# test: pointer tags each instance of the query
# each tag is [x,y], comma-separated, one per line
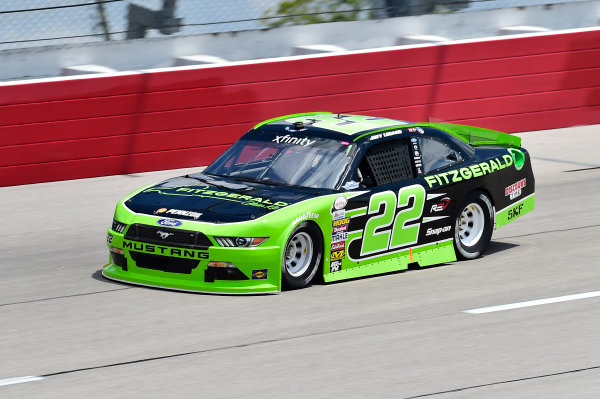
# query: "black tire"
[473,226]
[302,256]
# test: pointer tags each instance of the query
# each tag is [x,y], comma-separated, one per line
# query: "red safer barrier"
[92,126]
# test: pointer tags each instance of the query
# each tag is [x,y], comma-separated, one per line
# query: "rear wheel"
[473,226]
[302,256]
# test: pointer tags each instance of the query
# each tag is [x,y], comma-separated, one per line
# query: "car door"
[385,217]
[396,213]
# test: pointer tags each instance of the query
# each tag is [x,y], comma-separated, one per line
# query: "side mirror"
[452,156]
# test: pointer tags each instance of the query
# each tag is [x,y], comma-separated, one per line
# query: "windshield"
[315,162]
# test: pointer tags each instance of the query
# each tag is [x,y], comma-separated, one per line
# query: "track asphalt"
[401,335]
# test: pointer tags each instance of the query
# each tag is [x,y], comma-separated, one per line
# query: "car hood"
[216,200]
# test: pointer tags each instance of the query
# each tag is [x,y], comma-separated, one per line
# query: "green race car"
[322,195]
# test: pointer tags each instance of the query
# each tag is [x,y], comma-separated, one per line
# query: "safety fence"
[69,128]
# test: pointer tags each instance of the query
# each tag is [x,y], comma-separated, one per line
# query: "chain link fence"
[33,23]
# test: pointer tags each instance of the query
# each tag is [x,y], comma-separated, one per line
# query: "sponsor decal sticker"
[338,255]
[260,274]
[467,173]
[338,245]
[339,214]
[341,222]
[303,217]
[109,238]
[180,212]
[335,266]
[339,237]
[287,139]
[340,203]
[440,206]
[514,190]
[169,222]
[351,185]
[515,212]
[438,231]
[339,229]
[416,129]
[204,192]
[161,210]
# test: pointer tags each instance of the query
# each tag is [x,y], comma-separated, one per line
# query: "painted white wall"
[162,52]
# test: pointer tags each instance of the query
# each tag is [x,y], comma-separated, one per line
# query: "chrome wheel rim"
[298,254]
[470,225]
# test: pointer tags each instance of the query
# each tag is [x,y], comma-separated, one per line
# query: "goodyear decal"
[467,173]
[307,215]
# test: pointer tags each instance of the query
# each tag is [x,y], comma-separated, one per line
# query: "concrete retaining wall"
[88,126]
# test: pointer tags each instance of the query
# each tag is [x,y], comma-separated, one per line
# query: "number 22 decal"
[378,236]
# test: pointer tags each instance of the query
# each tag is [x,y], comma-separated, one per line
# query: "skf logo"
[260,274]
[515,212]
[440,206]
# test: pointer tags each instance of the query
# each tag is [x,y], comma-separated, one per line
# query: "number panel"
[391,222]
[379,238]
[404,234]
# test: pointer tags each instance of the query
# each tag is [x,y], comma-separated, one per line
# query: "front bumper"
[257,269]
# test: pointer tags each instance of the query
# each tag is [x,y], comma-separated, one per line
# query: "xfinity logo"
[293,140]
[163,234]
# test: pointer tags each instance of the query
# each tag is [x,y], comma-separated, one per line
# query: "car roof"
[335,126]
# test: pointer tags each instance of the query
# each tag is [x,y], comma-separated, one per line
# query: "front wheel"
[302,256]
[473,226]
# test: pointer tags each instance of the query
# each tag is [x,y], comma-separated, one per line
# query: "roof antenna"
[299,125]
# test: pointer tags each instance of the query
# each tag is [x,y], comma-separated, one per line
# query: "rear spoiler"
[477,136]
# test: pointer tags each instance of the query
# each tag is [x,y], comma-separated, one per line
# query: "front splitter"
[250,287]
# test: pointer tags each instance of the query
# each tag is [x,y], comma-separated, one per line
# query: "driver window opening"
[385,163]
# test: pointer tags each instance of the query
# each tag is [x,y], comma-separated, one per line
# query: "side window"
[386,162]
[436,154]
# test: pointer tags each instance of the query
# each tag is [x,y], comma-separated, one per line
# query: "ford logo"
[169,222]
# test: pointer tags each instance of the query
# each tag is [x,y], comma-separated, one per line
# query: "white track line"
[20,380]
[537,302]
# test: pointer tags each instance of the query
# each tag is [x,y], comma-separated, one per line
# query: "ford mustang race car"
[322,195]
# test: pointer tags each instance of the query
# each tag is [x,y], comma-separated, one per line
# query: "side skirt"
[426,255]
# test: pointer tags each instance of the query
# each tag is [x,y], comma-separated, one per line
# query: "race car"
[322,195]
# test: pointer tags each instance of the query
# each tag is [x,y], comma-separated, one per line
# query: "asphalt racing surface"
[521,322]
